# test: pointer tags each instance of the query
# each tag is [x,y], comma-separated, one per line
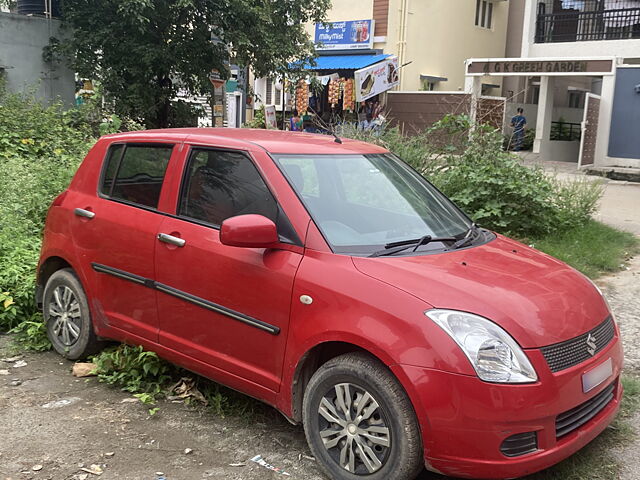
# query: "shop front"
[345,83]
[344,89]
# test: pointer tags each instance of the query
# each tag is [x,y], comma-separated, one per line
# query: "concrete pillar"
[545,116]
[529,26]
[604,120]
[473,85]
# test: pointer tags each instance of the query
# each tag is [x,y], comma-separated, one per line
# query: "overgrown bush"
[149,378]
[258,120]
[40,148]
[30,129]
[470,166]
[133,369]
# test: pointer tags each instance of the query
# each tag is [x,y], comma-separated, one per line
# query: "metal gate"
[589,130]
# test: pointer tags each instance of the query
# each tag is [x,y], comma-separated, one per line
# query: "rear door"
[114,234]
[225,306]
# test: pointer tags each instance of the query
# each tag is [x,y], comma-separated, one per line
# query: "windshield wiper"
[396,247]
[470,236]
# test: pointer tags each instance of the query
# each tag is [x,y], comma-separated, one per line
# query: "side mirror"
[249,231]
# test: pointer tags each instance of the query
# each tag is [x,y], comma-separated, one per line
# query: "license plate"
[595,377]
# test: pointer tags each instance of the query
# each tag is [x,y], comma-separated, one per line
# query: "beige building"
[431,38]
[574,67]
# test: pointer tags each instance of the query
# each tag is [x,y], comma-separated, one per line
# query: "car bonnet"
[538,299]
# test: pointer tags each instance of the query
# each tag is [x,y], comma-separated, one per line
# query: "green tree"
[143,51]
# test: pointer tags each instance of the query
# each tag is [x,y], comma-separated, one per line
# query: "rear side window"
[135,173]
[222,184]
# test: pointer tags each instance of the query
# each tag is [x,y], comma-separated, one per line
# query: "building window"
[484,13]
[429,86]
[268,98]
[534,94]
[576,99]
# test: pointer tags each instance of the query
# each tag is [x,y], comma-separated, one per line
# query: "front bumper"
[465,420]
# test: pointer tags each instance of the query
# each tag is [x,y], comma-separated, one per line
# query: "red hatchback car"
[332,281]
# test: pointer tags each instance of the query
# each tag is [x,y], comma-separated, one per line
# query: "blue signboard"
[350,35]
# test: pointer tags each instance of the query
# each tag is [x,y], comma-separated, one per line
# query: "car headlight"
[495,356]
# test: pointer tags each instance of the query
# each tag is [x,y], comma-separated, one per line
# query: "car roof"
[273,141]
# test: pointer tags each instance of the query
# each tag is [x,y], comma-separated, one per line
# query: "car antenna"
[327,127]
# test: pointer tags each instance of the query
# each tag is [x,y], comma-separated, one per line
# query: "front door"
[589,130]
[225,306]
[114,234]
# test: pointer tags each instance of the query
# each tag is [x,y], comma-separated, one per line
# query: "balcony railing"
[576,26]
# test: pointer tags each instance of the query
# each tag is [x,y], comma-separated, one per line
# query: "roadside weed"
[133,370]
[32,335]
[148,399]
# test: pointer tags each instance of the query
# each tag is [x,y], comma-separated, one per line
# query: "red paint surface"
[375,304]
[249,231]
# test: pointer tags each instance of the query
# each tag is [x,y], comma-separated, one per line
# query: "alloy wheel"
[353,429]
[64,312]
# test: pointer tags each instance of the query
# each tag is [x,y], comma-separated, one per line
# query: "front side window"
[134,173]
[363,202]
[223,184]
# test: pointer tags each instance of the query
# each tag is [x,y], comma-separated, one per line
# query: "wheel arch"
[47,268]
[313,359]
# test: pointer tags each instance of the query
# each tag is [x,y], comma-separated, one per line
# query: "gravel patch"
[623,293]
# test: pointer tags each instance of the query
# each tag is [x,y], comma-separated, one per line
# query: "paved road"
[620,203]
[620,206]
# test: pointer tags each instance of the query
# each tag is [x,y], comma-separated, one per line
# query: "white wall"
[558,151]
[22,39]
[619,48]
[260,90]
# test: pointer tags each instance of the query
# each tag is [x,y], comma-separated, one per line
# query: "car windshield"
[362,203]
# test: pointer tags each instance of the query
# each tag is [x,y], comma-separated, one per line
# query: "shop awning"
[343,62]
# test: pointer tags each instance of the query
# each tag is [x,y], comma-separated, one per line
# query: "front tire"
[359,422]
[67,316]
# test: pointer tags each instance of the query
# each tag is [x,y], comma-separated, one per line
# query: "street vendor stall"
[337,84]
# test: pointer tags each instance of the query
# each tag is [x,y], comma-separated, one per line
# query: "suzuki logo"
[591,345]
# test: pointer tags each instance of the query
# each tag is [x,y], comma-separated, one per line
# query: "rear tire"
[67,316]
[359,422]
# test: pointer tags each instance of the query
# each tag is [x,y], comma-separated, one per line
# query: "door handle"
[171,240]
[81,212]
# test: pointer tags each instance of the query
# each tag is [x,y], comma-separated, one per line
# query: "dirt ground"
[59,424]
[93,422]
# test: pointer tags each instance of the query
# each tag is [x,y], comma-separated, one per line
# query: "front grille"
[568,421]
[519,444]
[561,356]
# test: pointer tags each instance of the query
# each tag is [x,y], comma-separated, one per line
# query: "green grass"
[594,249]
[596,461]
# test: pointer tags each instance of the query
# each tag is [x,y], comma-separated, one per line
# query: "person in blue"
[295,122]
[518,123]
